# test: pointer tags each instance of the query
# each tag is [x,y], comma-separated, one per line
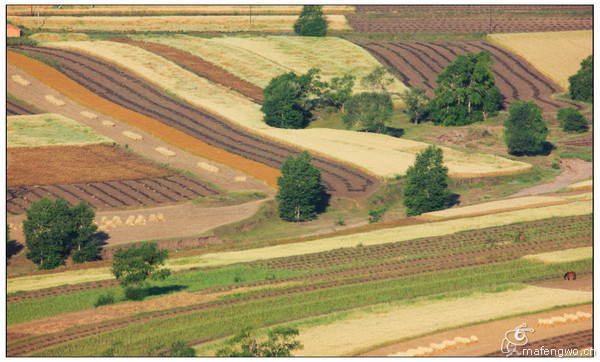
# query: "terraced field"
[328,281]
[125,89]
[470,18]
[14,108]
[418,64]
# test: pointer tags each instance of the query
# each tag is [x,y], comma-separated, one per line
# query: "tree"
[581,84]
[416,102]
[285,103]
[280,343]
[311,21]
[52,230]
[465,91]
[133,266]
[336,92]
[571,120]
[368,111]
[300,190]
[377,80]
[426,183]
[525,128]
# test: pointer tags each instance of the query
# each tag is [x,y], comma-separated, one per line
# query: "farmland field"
[152,115]
[49,130]
[555,54]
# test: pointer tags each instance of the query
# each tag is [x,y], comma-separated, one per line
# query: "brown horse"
[570,275]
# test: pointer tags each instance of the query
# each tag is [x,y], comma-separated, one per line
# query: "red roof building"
[12,31]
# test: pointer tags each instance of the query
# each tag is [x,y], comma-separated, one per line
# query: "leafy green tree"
[336,92]
[581,84]
[52,230]
[179,349]
[416,103]
[377,80]
[300,192]
[466,91]
[368,111]
[525,128]
[279,343]
[571,120]
[426,183]
[133,266]
[311,21]
[285,103]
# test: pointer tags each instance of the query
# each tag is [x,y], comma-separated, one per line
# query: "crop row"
[14,108]
[418,64]
[112,194]
[570,341]
[123,88]
[206,323]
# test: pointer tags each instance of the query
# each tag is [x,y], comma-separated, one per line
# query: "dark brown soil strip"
[14,108]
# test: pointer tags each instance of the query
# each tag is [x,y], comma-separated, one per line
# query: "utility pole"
[38,8]
[490,19]
[250,14]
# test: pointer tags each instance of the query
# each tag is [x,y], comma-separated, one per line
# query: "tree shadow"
[323,203]
[547,148]
[101,237]
[150,291]
[394,131]
[453,200]
[13,248]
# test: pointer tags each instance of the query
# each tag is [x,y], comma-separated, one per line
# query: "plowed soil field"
[470,18]
[14,108]
[111,194]
[127,90]
[72,164]
[418,64]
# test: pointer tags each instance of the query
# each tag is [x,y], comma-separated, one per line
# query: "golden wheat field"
[556,54]
[380,155]
[49,130]
[172,9]
[562,256]
[364,331]
[174,23]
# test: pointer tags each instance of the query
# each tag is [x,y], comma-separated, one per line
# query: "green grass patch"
[50,130]
[22,102]
[230,199]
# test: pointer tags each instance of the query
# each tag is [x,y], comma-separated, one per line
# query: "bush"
[526,129]
[581,85]
[571,120]
[311,22]
[105,299]
[376,214]
[135,293]
[368,111]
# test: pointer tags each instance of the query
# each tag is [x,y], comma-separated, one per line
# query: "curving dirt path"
[574,170]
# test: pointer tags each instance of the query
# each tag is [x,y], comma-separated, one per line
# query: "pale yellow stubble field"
[556,54]
[173,23]
[380,155]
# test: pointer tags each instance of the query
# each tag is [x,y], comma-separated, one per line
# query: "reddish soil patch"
[14,108]
[417,64]
[574,170]
[129,91]
[201,68]
[586,141]
[470,18]
[76,164]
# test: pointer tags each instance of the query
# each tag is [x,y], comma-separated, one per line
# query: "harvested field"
[516,78]
[14,108]
[76,164]
[557,55]
[563,255]
[111,194]
[139,10]
[470,18]
[49,130]
[572,341]
[184,160]
[212,23]
[585,141]
[201,67]
[357,333]
[121,87]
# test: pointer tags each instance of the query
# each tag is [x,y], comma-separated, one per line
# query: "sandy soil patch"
[147,147]
[347,337]
[562,256]
[573,170]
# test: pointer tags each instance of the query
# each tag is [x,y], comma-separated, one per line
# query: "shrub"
[526,129]
[581,85]
[135,293]
[104,299]
[571,120]
[311,21]
[369,111]
[376,214]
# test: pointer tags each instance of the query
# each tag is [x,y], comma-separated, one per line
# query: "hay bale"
[571,317]
[133,136]
[141,220]
[103,228]
[240,179]
[20,80]
[424,351]
[130,220]
[103,220]
[437,346]
[165,151]
[152,218]
[474,339]
[584,315]
[88,115]
[206,167]
[558,320]
[53,100]
[160,217]
[462,340]
[117,221]
[543,322]
[108,123]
